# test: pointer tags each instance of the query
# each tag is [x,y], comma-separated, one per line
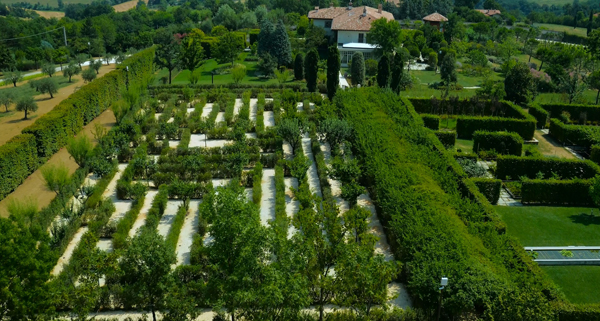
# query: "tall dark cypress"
[281,48]
[397,70]
[383,71]
[299,67]
[333,71]
[311,68]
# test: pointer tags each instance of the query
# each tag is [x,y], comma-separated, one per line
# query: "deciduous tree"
[26,104]
[387,35]
[71,70]
[519,85]
[14,76]
[80,148]
[45,85]
[167,51]
[49,69]
[192,52]
[88,75]
[227,48]
[56,177]
[291,130]
[6,99]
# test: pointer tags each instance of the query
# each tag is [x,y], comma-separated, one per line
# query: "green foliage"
[467,125]
[581,114]
[192,51]
[357,69]
[80,148]
[541,115]
[45,85]
[556,192]
[6,99]
[121,235]
[299,166]
[333,71]
[257,183]
[238,73]
[530,167]
[574,134]
[448,139]
[96,65]
[334,131]
[299,67]
[383,71]
[26,104]
[56,177]
[448,70]
[291,130]
[267,65]
[24,209]
[490,188]
[175,230]
[49,69]
[88,75]
[71,70]
[311,69]
[387,35]
[167,51]
[370,67]
[18,159]
[577,312]
[431,121]
[13,76]
[227,48]
[282,75]
[519,84]
[502,142]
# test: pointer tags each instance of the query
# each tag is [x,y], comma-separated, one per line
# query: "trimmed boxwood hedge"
[574,134]
[467,125]
[18,159]
[490,188]
[592,112]
[595,154]
[540,115]
[577,312]
[448,139]
[501,142]
[516,167]
[556,192]
[431,121]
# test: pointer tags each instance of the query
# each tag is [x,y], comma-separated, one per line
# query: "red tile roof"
[489,13]
[436,17]
[355,19]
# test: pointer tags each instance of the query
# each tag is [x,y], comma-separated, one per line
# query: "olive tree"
[26,104]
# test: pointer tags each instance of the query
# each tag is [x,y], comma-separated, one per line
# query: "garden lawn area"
[578,283]
[23,89]
[466,146]
[560,28]
[552,226]
[423,91]
[589,97]
[427,77]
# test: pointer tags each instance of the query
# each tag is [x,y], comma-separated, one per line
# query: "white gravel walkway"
[141,219]
[206,110]
[186,236]
[251,136]
[66,257]
[197,140]
[220,117]
[292,206]
[313,176]
[253,108]
[237,106]
[167,219]
[288,153]
[336,186]
[267,201]
[269,119]
[105,245]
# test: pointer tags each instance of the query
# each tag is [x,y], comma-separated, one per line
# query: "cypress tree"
[311,68]
[397,70]
[357,69]
[333,71]
[299,67]
[383,71]
[280,47]
[265,37]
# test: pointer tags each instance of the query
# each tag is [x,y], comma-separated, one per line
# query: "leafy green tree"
[88,75]
[281,48]
[387,35]
[56,177]
[544,54]
[49,69]
[299,67]
[238,251]
[120,58]
[6,58]
[265,40]
[282,75]
[593,43]
[108,57]
[80,148]
[80,59]
[448,70]
[227,48]
[311,69]
[291,130]
[593,81]
[192,52]
[519,84]
[248,20]
[454,28]
[71,70]
[530,47]
[45,85]
[432,60]
[167,51]
[226,16]
[357,69]
[26,104]
[7,98]
[509,48]
[334,131]
[315,37]
[267,65]
[333,71]
[383,71]
[14,76]
[238,73]
[61,56]
[96,65]
[146,267]
[477,58]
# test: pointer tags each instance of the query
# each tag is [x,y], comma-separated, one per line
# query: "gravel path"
[220,117]
[197,140]
[173,143]
[206,110]
[167,219]
[269,119]
[288,153]
[336,186]
[66,257]
[186,236]
[121,206]
[313,176]
[291,205]
[141,219]
[253,108]
[238,105]
[267,201]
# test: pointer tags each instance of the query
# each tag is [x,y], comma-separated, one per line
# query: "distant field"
[126,6]
[578,31]
[50,14]
[552,2]
[52,3]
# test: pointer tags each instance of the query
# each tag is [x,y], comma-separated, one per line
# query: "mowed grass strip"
[552,226]
[578,283]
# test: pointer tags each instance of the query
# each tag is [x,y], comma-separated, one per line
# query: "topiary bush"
[501,142]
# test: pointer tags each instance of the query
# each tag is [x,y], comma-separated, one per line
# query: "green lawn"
[552,226]
[427,77]
[589,97]
[560,28]
[578,283]
[26,90]
[466,146]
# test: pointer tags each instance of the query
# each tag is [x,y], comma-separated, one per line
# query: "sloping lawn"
[552,226]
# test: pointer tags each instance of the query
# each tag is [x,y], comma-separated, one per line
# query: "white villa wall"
[350,37]
[321,23]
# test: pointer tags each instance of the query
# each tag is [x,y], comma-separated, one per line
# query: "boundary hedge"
[592,112]
[490,188]
[448,139]
[540,115]
[516,167]
[555,192]
[574,134]
[18,159]
[431,121]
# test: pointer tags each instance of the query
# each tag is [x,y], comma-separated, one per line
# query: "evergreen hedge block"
[540,115]
[574,134]
[577,312]
[448,139]
[556,192]
[431,121]
[501,142]
[467,125]
[516,167]
[577,111]
[18,159]
[595,154]
[490,188]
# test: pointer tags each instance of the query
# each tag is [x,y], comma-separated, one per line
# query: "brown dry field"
[33,186]
[50,14]
[12,125]
[125,6]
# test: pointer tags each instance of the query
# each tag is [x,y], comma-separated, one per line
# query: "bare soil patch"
[125,6]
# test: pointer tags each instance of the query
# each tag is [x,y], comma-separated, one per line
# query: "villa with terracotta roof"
[435,19]
[489,12]
[349,27]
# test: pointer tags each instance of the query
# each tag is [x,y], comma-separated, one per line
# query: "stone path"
[143,215]
[336,186]
[237,106]
[220,117]
[66,257]
[164,225]
[507,200]
[186,236]
[267,201]
[313,176]
[292,206]
[269,119]
[206,110]
[253,108]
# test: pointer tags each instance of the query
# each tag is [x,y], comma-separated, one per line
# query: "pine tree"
[280,47]
[383,71]
[265,37]
[299,67]
[311,68]
[6,59]
[357,70]
[333,71]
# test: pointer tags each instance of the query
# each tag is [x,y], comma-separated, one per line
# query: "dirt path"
[550,147]
[12,125]
[34,187]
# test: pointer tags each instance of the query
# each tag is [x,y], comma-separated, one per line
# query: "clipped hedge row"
[595,154]
[501,142]
[467,125]
[516,167]
[540,115]
[577,111]
[431,121]
[18,159]
[577,312]
[555,192]
[574,134]
[490,188]
[126,223]
[448,139]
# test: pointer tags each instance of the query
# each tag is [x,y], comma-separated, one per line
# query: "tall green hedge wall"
[555,192]
[490,188]
[577,111]
[540,115]
[431,121]
[574,134]
[22,155]
[448,139]
[516,167]
[502,142]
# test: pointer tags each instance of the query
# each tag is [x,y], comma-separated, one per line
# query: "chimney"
[380,8]
[350,5]
[331,5]
[316,8]
[364,11]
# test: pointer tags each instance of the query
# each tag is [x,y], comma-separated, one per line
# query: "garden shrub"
[431,121]
[467,125]
[18,159]
[577,312]
[574,134]
[556,192]
[540,115]
[501,142]
[515,167]
[490,188]
[448,139]
[126,223]
[173,236]
[578,112]
[595,154]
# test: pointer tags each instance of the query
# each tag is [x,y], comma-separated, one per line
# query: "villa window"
[361,38]
[328,24]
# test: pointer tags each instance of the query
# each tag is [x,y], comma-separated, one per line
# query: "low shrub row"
[126,223]
[173,236]
[577,312]
[540,115]
[431,121]
[467,125]
[448,139]
[502,142]
[490,188]
[516,167]
[556,192]
[322,169]
[159,204]
[18,159]
[256,183]
[260,118]
[281,219]
[574,134]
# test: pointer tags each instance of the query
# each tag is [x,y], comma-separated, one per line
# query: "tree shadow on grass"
[585,219]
